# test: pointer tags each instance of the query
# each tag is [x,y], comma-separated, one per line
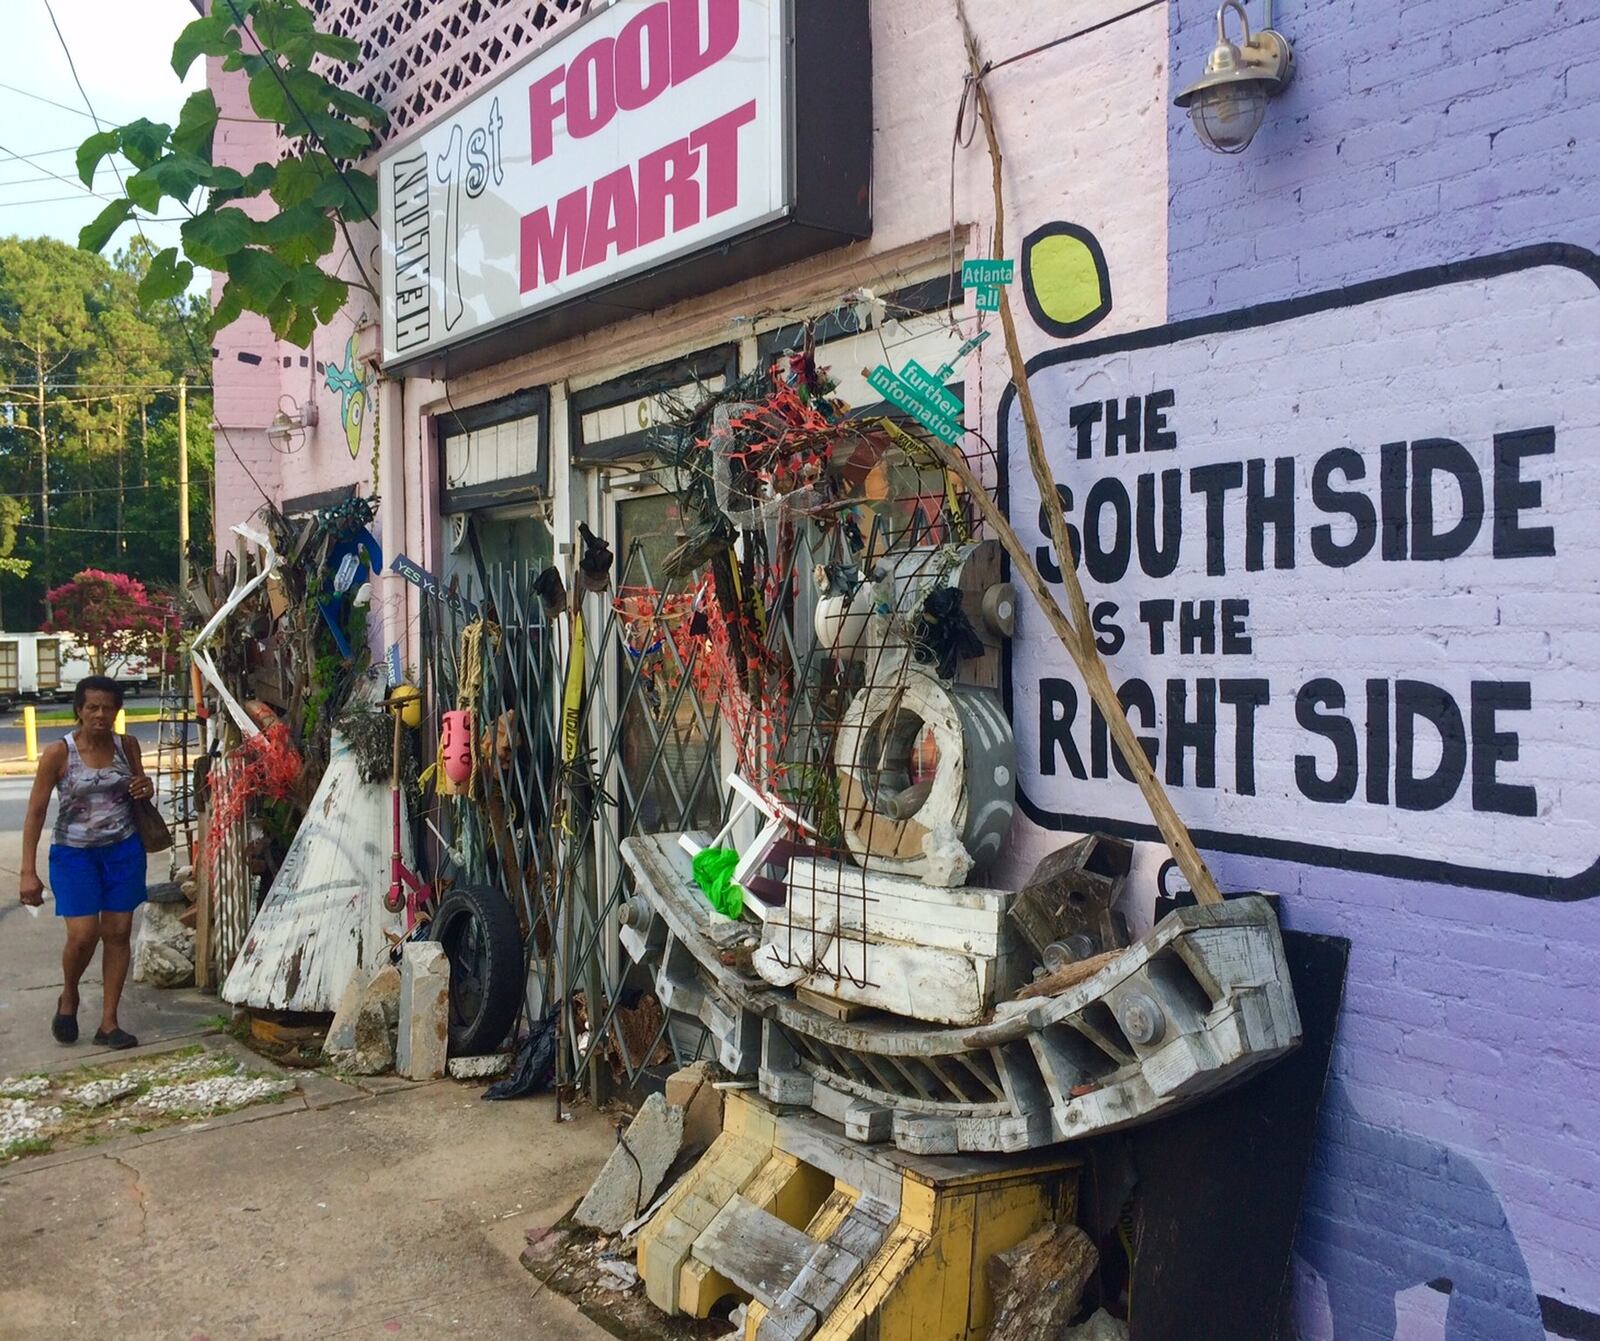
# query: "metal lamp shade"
[1226,116]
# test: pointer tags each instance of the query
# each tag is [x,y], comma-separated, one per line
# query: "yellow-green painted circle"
[1065,275]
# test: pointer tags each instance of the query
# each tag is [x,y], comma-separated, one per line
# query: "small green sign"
[920,380]
[978,274]
[903,398]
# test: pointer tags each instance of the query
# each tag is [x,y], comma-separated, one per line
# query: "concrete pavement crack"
[136,1185]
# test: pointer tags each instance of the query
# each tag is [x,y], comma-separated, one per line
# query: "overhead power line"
[42,153]
[73,182]
[39,97]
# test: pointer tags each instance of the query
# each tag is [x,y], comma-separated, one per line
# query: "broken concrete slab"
[1101,1327]
[693,1089]
[636,1167]
[361,1039]
[479,1068]
[423,1038]
[163,948]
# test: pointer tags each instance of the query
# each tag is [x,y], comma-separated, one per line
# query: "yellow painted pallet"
[833,1240]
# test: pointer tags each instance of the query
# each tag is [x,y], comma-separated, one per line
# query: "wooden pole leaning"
[1076,634]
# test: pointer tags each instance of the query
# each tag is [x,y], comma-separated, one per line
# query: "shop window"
[482,547]
[667,750]
[611,422]
[495,454]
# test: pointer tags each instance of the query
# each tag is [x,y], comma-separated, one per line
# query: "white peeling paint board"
[324,916]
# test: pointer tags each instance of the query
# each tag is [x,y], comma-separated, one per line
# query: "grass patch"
[62,716]
[130,1096]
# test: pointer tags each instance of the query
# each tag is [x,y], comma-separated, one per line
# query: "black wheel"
[479,933]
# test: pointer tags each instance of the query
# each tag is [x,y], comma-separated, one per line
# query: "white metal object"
[1200,1002]
[242,587]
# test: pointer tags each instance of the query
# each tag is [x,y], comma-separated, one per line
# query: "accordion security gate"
[527,830]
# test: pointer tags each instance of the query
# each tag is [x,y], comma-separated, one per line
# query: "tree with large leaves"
[276,265]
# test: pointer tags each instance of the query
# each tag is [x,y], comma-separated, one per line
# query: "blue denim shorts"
[88,881]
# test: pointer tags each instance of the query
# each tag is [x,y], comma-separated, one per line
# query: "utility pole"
[44,455]
[122,451]
[183,485]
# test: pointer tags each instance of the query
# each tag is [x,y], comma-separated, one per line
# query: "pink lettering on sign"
[668,175]
[693,178]
[695,48]
[644,62]
[592,89]
[613,218]
[661,47]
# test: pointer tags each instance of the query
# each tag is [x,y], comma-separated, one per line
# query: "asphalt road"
[13,743]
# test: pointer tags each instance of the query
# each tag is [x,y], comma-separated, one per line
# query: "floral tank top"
[94,808]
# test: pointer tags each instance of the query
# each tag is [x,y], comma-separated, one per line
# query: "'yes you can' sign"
[1344,556]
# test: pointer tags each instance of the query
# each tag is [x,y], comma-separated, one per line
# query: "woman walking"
[97,862]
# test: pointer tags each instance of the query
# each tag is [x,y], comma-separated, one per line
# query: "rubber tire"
[484,998]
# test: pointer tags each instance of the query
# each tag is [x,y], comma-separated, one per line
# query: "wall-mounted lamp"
[1226,105]
[288,427]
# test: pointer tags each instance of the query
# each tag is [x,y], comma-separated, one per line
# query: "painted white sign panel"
[1344,555]
[650,131]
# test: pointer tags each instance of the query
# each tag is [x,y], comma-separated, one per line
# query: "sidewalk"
[339,1213]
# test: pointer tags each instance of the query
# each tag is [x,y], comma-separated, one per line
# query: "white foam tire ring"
[972,788]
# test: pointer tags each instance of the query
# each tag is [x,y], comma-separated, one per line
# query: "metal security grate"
[419,56]
[568,891]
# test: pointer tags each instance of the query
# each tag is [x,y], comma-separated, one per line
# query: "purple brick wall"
[1456,1189]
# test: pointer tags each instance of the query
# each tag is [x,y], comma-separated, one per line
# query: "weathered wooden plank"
[1038,1284]
[754,1249]
[830,1006]
[910,896]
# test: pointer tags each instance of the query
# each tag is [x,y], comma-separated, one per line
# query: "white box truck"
[30,667]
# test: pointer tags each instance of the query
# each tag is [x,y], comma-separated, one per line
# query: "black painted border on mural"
[1585,884]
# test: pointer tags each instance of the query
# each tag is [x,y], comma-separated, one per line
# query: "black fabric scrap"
[943,635]
[534,1066]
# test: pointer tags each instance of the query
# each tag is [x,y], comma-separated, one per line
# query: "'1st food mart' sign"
[658,149]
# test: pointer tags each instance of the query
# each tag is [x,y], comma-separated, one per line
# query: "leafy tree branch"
[274,265]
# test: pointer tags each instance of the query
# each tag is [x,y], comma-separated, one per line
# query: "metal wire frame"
[570,888]
[555,879]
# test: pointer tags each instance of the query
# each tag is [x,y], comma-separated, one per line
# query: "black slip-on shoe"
[64,1028]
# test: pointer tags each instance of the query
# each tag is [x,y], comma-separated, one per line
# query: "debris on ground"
[635,1169]
[219,1094]
[1101,1327]
[361,1039]
[535,1065]
[617,1274]
[423,1039]
[693,1089]
[479,1068]
[22,1122]
[163,948]
[587,1269]
[104,1099]
[1038,1285]
[99,1093]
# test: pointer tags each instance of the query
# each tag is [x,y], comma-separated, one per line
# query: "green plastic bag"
[713,872]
